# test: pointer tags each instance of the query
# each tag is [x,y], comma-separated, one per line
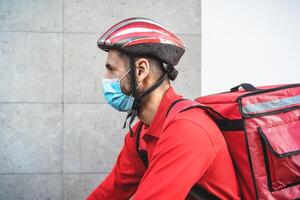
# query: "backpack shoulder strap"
[143,154]
[181,106]
[177,106]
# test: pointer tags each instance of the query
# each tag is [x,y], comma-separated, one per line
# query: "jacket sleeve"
[125,176]
[183,154]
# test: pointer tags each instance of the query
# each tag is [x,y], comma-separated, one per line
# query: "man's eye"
[109,67]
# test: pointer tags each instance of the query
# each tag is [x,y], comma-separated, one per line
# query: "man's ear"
[142,69]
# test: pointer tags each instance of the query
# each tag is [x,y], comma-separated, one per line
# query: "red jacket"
[190,150]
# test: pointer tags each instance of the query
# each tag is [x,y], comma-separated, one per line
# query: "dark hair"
[156,66]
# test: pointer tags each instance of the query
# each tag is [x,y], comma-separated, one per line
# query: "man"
[159,159]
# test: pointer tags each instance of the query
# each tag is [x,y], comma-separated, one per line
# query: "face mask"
[114,96]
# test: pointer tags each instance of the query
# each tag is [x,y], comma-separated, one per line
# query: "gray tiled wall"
[58,138]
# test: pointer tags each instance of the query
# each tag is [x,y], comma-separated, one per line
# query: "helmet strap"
[133,112]
[137,100]
[132,76]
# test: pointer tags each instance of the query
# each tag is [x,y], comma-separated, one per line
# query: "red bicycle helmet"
[141,36]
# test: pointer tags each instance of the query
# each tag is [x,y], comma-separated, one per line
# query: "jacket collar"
[160,116]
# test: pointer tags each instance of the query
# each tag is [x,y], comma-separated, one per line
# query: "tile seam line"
[53,173]
[62,100]
[51,103]
[87,33]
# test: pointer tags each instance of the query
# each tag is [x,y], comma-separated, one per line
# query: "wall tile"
[31,187]
[30,138]
[31,67]
[79,186]
[95,16]
[84,68]
[93,137]
[30,15]
[188,82]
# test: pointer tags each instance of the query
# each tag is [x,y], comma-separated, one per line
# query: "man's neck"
[151,103]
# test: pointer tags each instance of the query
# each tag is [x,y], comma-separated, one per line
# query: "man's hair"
[156,66]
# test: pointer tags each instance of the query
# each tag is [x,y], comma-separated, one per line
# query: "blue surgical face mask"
[114,96]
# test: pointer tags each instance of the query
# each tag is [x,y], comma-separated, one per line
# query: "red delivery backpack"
[261,127]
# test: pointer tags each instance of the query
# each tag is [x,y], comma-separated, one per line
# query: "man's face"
[116,66]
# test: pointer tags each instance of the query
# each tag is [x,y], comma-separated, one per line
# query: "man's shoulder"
[196,123]
[193,115]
